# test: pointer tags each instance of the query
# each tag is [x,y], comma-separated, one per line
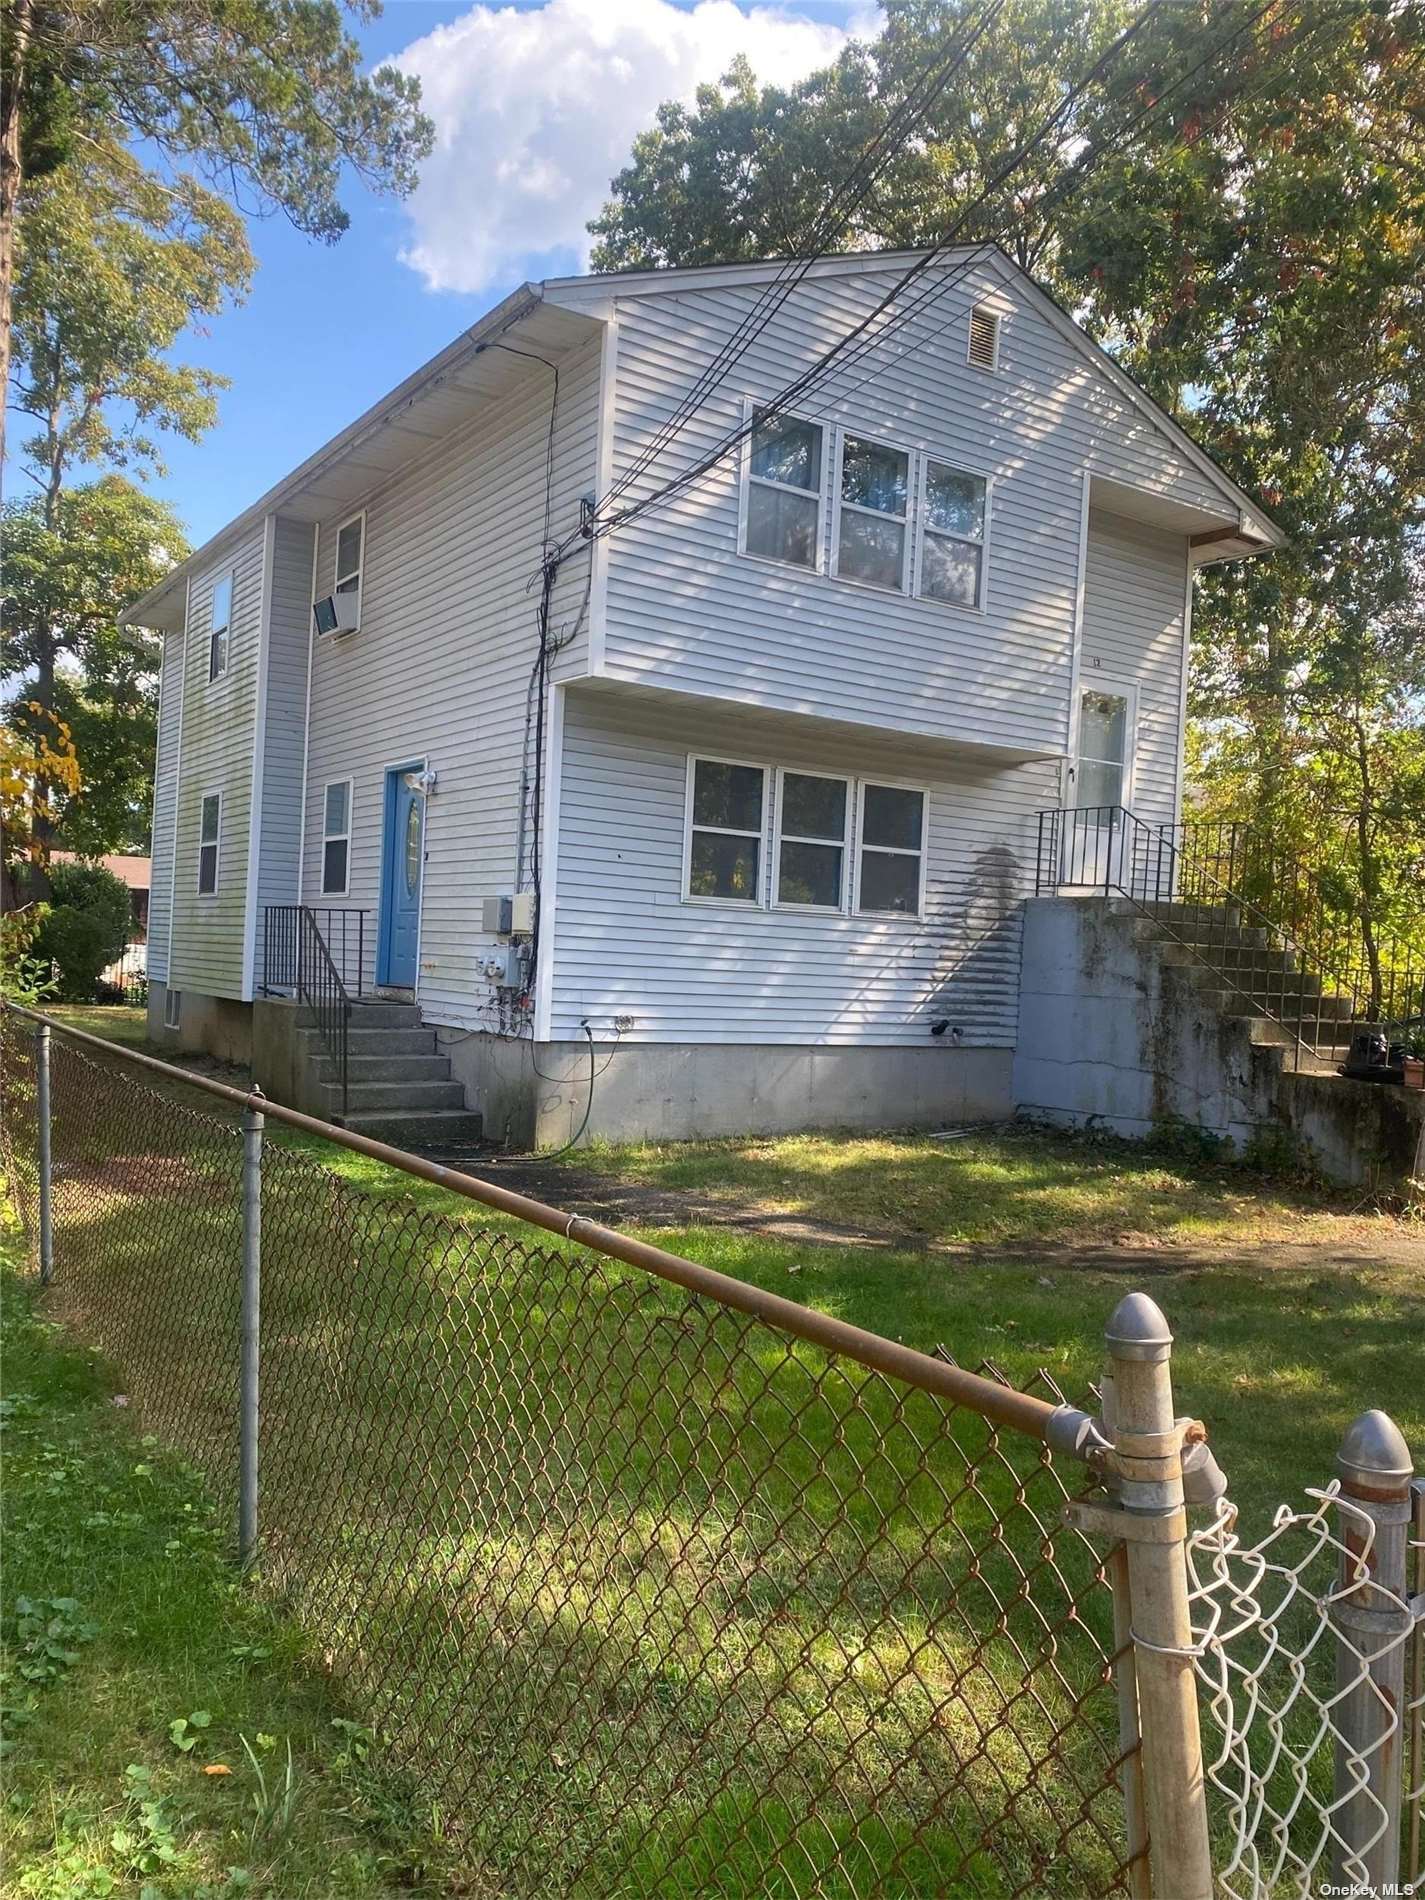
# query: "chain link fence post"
[46,1165]
[1146,1462]
[251,1368]
[1372,1621]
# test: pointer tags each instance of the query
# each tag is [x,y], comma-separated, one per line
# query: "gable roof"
[389,432]
[1262,532]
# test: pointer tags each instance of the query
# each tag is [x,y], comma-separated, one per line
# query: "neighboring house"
[771,809]
[133,871]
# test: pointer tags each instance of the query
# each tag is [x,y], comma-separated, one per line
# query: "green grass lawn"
[124,1023]
[598,1555]
[1001,1185]
[138,1675]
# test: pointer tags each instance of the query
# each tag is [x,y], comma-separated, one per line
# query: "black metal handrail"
[298,954]
[1296,965]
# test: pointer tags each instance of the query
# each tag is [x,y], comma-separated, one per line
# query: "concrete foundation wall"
[1113,1036]
[278,1065]
[207,1025]
[674,1092]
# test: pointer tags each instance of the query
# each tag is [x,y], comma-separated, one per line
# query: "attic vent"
[984,338]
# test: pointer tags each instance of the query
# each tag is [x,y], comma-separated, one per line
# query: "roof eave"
[517,305]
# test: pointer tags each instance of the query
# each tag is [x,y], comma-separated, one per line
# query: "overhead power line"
[865,337]
[911,275]
[852,192]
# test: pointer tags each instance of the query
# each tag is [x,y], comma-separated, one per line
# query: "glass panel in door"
[1093,830]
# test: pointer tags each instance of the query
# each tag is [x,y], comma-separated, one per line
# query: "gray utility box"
[509,916]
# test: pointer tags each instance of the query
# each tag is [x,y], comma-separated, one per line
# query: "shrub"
[87,927]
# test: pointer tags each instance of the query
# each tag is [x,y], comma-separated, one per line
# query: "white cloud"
[535,110]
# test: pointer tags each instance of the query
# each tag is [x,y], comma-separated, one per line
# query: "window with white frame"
[952,550]
[784,491]
[891,850]
[336,838]
[813,818]
[220,622]
[872,529]
[350,555]
[209,825]
[172,1008]
[727,819]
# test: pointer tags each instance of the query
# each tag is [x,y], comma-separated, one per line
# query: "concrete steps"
[399,1086]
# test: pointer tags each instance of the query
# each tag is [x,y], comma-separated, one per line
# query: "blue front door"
[402,854]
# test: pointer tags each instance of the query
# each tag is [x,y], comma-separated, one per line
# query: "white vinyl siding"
[288,642]
[441,670]
[1134,601]
[688,610]
[209,933]
[165,801]
[628,943]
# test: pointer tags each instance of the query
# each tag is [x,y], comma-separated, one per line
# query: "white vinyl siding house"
[219,718]
[874,624]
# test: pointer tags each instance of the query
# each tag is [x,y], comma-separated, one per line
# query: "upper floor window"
[952,552]
[209,826]
[350,556]
[726,819]
[336,838]
[220,622]
[872,538]
[890,872]
[812,819]
[784,491]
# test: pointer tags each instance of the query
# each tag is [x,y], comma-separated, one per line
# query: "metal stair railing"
[1302,973]
[297,956]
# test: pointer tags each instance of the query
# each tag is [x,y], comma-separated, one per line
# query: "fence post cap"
[1373,1450]
[1137,1329]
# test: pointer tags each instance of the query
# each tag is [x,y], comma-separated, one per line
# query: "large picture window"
[872,535]
[336,838]
[209,828]
[952,553]
[784,491]
[890,872]
[727,817]
[813,814]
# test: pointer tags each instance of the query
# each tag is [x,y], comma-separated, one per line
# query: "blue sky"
[536,106]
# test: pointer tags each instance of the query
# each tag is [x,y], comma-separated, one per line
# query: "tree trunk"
[1369,867]
[11,178]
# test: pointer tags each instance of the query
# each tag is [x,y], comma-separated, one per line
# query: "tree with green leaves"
[71,561]
[268,100]
[1237,212]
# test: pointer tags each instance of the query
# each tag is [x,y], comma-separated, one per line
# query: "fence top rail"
[1060,1426]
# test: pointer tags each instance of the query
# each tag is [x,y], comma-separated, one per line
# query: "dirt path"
[1358,1241]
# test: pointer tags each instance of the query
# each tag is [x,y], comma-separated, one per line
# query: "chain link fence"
[657,1586]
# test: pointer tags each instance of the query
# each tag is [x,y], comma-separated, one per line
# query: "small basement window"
[336,838]
[983,348]
[812,820]
[209,823]
[219,627]
[871,536]
[727,805]
[350,555]
[783,508]
[952,552]
[172,1008]
[890,873]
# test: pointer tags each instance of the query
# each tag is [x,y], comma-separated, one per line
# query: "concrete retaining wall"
[674,1092]
[1113,1036]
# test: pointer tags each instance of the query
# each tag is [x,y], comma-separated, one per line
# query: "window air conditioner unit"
[335,614]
